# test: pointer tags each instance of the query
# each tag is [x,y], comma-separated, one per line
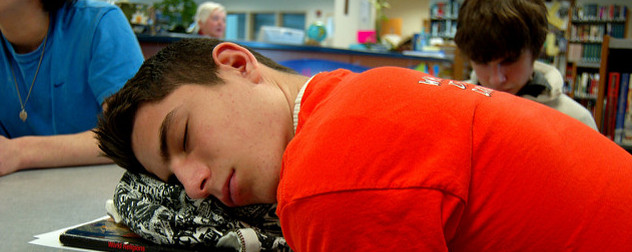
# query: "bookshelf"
[443,17]
[588,24]
[615,58]
[583,81]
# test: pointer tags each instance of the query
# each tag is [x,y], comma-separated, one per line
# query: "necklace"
[23,114]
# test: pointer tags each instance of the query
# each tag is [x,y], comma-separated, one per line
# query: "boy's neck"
[25,34]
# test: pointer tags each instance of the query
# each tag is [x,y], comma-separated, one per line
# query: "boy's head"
[54,5]
[174,114]
[498,33]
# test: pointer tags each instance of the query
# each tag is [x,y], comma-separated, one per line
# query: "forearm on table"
[59,150]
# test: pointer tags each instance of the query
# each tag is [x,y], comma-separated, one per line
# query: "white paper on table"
[51,239]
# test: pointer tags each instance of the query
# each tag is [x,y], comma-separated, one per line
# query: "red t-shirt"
[397,160]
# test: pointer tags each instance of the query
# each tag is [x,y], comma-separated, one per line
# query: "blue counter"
[169,38]
[280,52]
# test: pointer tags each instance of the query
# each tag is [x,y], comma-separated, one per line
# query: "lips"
[227,196]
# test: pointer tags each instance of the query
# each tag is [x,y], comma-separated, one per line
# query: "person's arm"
[30,152]
[413,219]
[49,151]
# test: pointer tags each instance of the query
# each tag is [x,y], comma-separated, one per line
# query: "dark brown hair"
[501,29]
[187,61]
[54,5]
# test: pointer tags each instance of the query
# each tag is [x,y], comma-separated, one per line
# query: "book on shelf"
[625,124]
[584,53]
[615,30]
[611,104]
[587,85]
[621,106]
[574,52]
[592,53]
[604,12]
[445,9]
[105,235]
[594,32]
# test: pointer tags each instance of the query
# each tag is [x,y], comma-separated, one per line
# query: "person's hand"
[9,156]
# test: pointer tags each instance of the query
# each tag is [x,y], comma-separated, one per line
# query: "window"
[246,25]
[261,19]
[293,20]
[235,26]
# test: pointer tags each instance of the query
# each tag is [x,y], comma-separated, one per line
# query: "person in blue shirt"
[59,61]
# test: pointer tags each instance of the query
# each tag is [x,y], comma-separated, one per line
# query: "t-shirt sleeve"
[415,219]
[3,131]
[116,54]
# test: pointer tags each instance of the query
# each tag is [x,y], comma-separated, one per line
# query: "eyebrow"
[164,129]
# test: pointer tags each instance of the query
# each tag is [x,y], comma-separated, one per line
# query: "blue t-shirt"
[90,52]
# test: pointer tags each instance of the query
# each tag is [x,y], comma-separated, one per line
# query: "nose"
[497,75]
[194,176]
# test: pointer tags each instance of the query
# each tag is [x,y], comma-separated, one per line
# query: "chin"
[262,199]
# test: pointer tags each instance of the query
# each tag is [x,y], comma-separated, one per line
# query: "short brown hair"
[494,29]
[187,61]
[54,5]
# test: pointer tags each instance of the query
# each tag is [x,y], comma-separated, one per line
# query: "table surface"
[33,202]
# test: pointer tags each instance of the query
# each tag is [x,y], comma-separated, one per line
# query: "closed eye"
[185,138]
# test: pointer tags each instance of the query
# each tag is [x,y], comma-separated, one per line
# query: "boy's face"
[507,75]
[225,140]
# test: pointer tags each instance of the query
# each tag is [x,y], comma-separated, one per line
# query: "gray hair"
[203,12]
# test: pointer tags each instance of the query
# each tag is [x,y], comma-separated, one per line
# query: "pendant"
[23,115]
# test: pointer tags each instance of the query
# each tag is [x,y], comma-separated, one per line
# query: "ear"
[232,57]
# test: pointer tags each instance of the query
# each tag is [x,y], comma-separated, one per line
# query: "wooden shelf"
[617,43]
[588,64]
[585,41]
[597,21]
[443,18]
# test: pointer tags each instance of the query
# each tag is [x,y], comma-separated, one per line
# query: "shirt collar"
[297,103]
